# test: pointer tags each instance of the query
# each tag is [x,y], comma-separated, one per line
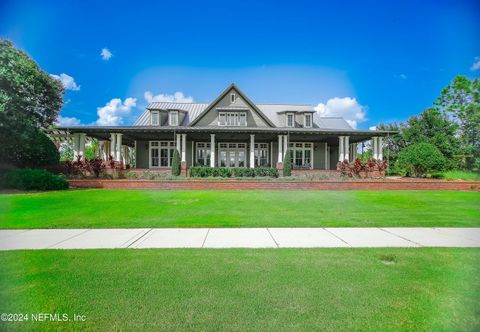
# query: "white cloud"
[67,81]
[66,121]
[177,97]
[106,54]
[347,108]
[372,128]
[476,64]
[113,112]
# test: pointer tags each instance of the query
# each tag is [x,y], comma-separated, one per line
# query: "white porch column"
[285,145]
[379,148]
[135,155]
[212,150]
[119,147]
[184,148]
[252,151]
[326,155]
[375,147]
[280,149]
[347,148]
[81,148]
[75,141]
[341,148]
[113,146]
[179,139]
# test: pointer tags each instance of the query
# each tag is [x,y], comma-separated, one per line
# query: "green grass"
[460,175]
[245,290]
[114,208]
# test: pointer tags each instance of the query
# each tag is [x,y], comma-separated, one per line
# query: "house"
[231,131]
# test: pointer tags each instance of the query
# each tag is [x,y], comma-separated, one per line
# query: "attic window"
[173,118]
[154,118]
[290,120]
[308,120]
[233,97]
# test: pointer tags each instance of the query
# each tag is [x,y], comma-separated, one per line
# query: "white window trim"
[305,120]
[293,119]
[233,97]
[257,156]
[159,147]
[207,161]
[292,148]
[170,117]
[151,118]
[236,149]
[236,116]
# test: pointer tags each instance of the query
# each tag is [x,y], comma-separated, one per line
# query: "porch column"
[252,151]
[341,148]
[285,145]
[326,155]
[212,150]
[75,141]
[184,148]
[119,147]
[347,148]
[375,147]
[179,138]
[135,154]
[81,148]
[113,146]
[379,148]
[280,149]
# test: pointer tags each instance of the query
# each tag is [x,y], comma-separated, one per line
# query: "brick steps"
[276,184]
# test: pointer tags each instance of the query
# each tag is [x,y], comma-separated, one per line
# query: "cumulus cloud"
[106,54]
[66,121]
[177,97]
[67,81]
[114,111]
[372,128]
[347,108]
[476,64]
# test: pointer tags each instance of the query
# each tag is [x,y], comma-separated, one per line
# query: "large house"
[231,131]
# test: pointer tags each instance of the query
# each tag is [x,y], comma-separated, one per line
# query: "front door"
[232,154]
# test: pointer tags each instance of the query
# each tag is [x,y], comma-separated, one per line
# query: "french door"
[232,154]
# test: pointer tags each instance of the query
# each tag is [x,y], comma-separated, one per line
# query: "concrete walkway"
[238,238]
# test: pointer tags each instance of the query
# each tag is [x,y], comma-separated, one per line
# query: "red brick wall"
[276,184]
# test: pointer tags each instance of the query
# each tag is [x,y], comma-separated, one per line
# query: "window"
[261,155]
[232,98]
[302,155]
[203,154]
[161,153]
[173,118]
[232,154]
[232,119]
[290,120]
[308,120]
[154,118]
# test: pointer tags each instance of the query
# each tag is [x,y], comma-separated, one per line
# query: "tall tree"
[461,101]
[29,100]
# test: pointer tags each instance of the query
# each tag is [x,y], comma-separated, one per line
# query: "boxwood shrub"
[238,172]
[205,172]
[34,179]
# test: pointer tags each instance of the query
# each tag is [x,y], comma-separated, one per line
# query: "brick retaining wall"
[276,184]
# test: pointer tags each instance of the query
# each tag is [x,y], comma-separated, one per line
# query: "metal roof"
[271,111]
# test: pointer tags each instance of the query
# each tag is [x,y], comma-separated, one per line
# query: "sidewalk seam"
[141,237]
[275,241]
[124,244]
[71,237]
[338,237]
[205,239]
[404,238]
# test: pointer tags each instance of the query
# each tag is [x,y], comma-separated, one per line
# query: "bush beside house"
[237,172]
[287,163]
[420,160]
[176,164]
[32,179]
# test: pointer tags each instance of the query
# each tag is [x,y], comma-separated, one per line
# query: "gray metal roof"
[271,111]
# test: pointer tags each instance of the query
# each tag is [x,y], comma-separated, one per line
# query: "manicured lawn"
[112,208]
[461,175]
[253,290]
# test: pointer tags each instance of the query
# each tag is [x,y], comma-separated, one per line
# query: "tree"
[287,163]
[392,144]
[434,127]
[420,159]
[176,165]
[29,100]
[460,100]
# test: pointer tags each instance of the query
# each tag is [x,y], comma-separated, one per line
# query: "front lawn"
[245,290]
[116,208]
[460,175]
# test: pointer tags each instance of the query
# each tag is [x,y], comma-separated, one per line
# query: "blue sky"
[368,61]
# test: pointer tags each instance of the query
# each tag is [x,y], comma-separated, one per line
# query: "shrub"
[176,164]
[420,160]
[266,172]
[242,172]
[35,179]
[287,163]
[95,165]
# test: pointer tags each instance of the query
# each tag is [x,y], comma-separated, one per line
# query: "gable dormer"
[232,109]
[166,117]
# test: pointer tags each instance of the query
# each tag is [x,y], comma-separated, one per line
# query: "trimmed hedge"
[420,160]
[287,163]
[238,172]
[176,163]
[33,179]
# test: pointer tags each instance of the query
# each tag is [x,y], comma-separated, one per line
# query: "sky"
[369,61]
